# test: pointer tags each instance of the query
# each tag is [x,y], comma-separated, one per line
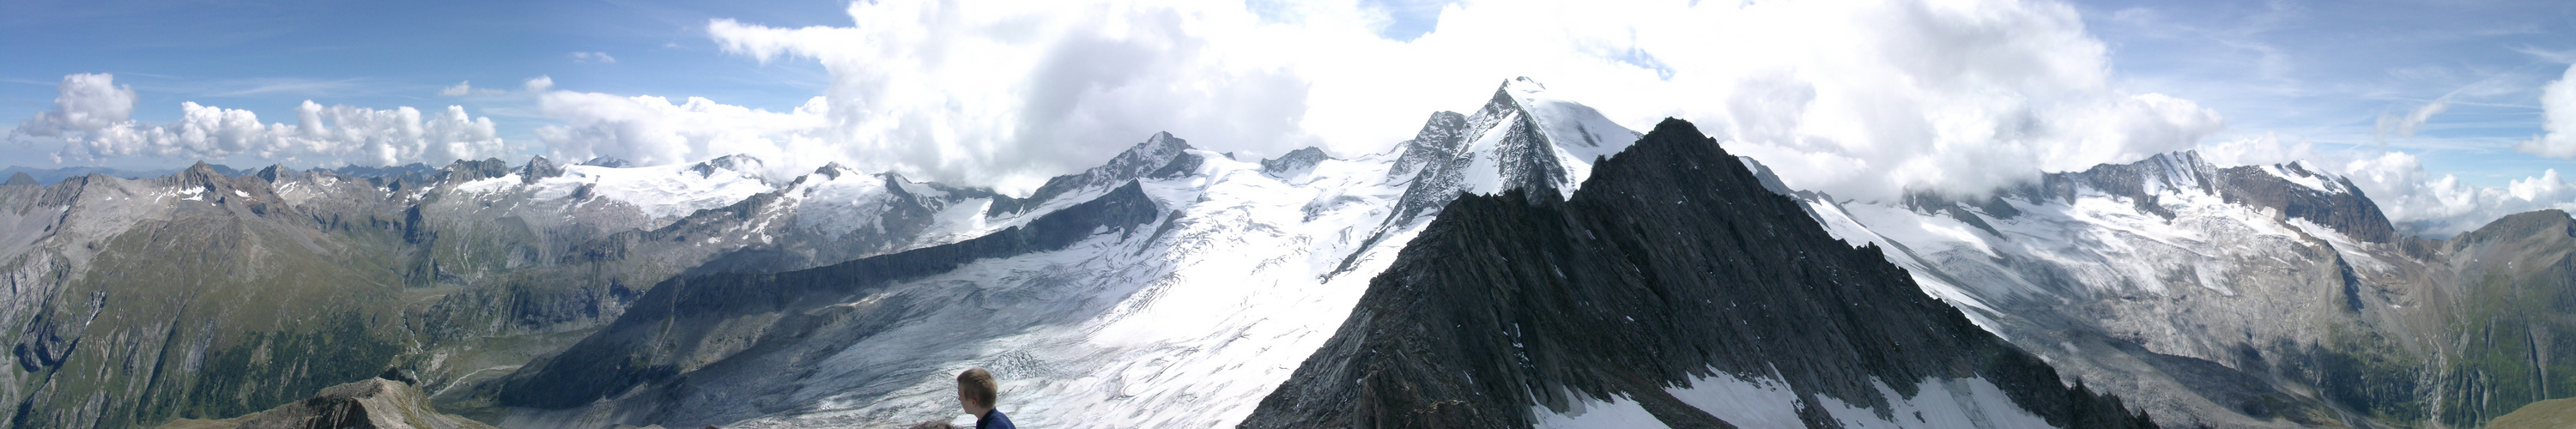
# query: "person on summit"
[977,391]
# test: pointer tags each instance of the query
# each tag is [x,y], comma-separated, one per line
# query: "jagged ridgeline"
[1671,282]
[211,293]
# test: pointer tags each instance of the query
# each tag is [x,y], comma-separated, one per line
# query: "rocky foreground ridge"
[1670,270]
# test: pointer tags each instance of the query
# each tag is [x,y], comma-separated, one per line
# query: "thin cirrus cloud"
[466,88]
[593,57]
[1955,97]
[2424,203]
[92,115]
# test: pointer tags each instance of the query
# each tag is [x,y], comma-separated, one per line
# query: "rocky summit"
[1670,289]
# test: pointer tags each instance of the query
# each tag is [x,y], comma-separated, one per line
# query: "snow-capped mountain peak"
[1295,162]
[1570,126]
[1159,155]
[1520,139]
[738,164]
[1523,137]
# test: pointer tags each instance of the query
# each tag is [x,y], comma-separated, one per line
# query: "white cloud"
[1960,96]
[593,57]
[2558,116]
[2415,200]
[649,130]
[2444,206]
[2405,126]
[83,105]
[539,84]
[91,118]
[465,88]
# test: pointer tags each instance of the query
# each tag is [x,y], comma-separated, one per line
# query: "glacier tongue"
[1210,307]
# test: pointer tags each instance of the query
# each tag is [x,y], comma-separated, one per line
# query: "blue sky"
[269,56]
[1004,93]
[2326,71]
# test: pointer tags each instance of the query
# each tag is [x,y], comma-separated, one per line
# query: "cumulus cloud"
[2558,117]
[2417,201]
[539,84]
[2445,206]
[83,104]
[1956,96]
[465,88]
[91,117]
[650,130]
[593,57]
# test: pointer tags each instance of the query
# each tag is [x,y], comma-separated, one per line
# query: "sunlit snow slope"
[1184,319]
[2267,295]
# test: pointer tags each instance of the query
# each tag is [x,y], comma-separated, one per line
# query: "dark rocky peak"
[539,168]
[736,163]
[1159,156]
[1296,161]
[2137,180]
[222,188]
[1444,159]
[1671,264]
[832,170]
[1437,142]
[606,162]
[2300,192]
[463,171]
[933,194]
[274,172]
[21,178]
[204,175]
[1504,102]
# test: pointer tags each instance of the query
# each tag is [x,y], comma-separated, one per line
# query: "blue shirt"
[994,420]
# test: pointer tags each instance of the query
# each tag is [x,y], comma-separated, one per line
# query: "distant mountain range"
[41,176]
[1530,263]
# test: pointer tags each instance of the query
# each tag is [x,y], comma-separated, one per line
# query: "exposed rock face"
[1160,155]
[539,168]
[206,293]
[367,404]
[1671,265]
[729,164]
[1520,139]
[2508,334]
[469,170]
[2248,296]
[22,179]
[1295,162]
[2294,189]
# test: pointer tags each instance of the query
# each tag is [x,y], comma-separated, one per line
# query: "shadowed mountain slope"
[1670,274]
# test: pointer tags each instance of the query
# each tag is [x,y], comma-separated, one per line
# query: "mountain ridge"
[1564,303]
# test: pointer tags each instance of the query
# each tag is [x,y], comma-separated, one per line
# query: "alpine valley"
[1528,264]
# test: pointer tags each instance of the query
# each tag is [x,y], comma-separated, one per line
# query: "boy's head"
[976,390]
